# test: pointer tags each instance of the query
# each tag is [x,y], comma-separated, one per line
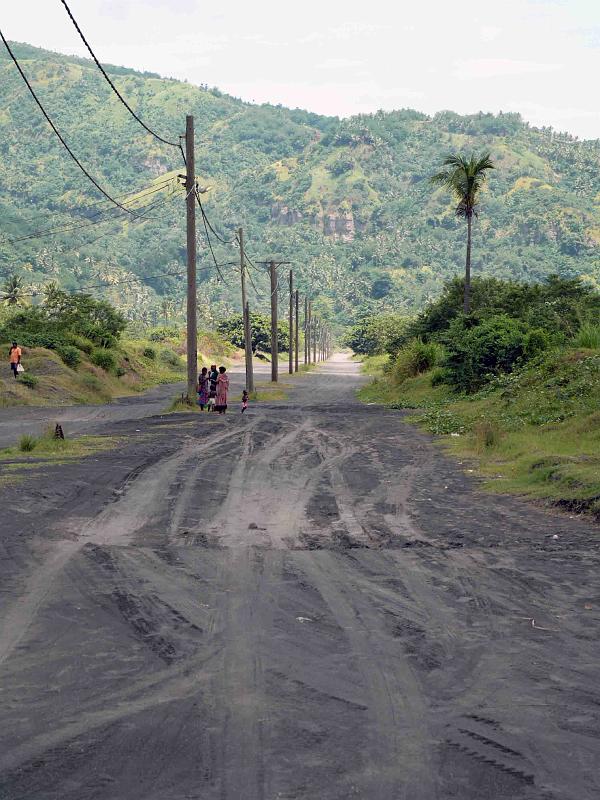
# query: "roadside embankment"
[534,432]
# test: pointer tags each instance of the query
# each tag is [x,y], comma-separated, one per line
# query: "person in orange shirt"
[15,357]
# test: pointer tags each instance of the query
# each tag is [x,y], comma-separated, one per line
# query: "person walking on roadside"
[212,389]
[245,400]
[222,389]
[14,355]
[203,388]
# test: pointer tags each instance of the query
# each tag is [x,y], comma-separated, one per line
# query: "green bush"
[120,372]
[588,336]
[149,353]
[27,443]
[28,380]
[536,341]
[70,355]
[104,359]
[232,330]
[438,377]
[80,342]
[162,333]
[171,358]
[476,352]
[91,382]
[557,305]
[415,358]
[377,334]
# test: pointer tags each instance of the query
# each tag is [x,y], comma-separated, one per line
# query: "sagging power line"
[112,85]
[56,131]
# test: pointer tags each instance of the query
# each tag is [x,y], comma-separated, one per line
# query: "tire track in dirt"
[398,754]
[243,691]
[144,492]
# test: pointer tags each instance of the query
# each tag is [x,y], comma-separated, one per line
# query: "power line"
[220,238]
[111,84]
[109,284]
[52,231]
[57,132]
[210,247]
[144,191]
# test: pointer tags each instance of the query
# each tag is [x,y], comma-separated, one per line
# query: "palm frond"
[464,178]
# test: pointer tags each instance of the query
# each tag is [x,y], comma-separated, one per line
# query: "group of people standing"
[213,387]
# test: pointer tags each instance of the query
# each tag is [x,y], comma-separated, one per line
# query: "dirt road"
[307,602]
[81,419]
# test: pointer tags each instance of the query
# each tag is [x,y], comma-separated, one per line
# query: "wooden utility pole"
[192,329]
[291,326]
[246,317]
[305,331]
[274,344]
[309,332]
[296,330]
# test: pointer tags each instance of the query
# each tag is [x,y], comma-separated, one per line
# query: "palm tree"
[464,178]
[12,291]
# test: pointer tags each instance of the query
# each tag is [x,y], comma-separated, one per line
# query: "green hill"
[347,200]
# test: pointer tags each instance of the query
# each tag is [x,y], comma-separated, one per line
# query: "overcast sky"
[539,57]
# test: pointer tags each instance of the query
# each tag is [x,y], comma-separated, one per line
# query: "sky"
[343,57]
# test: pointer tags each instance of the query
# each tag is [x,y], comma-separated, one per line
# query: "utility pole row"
[316,336]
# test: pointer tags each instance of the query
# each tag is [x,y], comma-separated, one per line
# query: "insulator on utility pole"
[192,329]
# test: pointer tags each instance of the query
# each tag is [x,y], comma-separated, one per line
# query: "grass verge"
[32,451]
[535,432]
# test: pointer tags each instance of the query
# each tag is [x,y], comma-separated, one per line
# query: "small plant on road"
[27,443]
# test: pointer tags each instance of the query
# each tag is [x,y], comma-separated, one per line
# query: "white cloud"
[340,63]
[499,67]
[348,30]
[342,57]
[489,33]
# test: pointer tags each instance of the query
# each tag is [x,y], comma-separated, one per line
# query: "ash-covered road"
[309,602]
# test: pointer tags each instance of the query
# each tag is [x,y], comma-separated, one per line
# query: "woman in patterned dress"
[203,388]
[222,389]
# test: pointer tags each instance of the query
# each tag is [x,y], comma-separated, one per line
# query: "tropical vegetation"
[514,385]
[347,201]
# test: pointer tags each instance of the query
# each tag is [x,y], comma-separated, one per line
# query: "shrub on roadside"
[487,435]
[91,382]
[438,377]
[171,358]
[149,353]
[28,380]
[162,333]
[70,355]
[377,334]
[27,443]
[80,342]
[477,351]
[104,359]
[415,358]
[588,336]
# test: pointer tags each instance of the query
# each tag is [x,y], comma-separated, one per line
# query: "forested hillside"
[348,201]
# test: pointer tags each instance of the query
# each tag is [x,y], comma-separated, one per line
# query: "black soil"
[309,601]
